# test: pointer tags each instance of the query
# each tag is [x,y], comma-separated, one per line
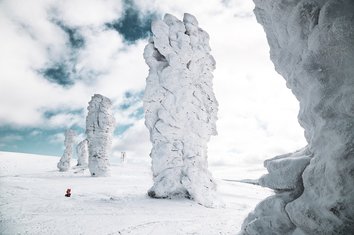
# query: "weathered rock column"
[82,154]
[100,125]
[180,109]
[64,163]
[312,47]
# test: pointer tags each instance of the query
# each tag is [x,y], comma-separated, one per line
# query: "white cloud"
[88,12]
[65,120]
[101,50]
[135,142]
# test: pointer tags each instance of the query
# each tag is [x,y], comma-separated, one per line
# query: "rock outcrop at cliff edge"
[180,109]
[100,125]
[312,47]
[82,154]
[69,141]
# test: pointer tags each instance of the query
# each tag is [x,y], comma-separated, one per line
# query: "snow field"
[32,201]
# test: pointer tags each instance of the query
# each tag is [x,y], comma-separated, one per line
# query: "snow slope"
[32,201]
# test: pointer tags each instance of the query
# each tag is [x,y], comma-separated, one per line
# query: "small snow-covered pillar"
[180,109]
[82,154]
[123,155]
[100,125]
[64,163]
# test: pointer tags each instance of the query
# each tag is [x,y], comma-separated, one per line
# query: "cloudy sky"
[55,54]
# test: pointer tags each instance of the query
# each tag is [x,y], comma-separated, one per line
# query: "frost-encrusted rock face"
[284,178]
[64,163]
[100,125]
[82,154]
[312,47]
[285,171]
[180,109]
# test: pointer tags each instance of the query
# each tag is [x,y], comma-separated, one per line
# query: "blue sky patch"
[138,113]
[131,98]
[76,40]
[58,73]
[31,140]
[134,24]
[121,129]
[50,113]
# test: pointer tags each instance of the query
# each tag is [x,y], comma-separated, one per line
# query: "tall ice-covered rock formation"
[180,109]
[64,163]
[312,47]
[82,154]
[100,125]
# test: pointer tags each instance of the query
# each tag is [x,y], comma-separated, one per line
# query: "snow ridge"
[180,109]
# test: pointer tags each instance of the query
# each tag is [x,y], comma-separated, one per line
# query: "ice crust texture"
[312,47]
[69,141]
[100,125]
[82,154]
[180,109]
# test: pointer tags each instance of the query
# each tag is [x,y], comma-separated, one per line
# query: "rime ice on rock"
[312,47]
[180,109]
[82,154]
[64,163]
[100,125]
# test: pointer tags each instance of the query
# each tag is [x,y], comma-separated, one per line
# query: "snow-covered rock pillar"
[180,109]
[312,47]
[100,125]
[82,154]
[64,163]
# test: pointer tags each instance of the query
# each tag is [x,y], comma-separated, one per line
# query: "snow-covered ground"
[32,200]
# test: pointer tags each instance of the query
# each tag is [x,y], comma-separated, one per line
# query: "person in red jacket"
[68,192]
